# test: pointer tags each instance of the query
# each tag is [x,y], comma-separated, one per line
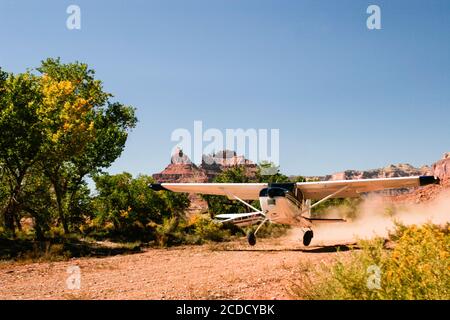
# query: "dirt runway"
[212,271]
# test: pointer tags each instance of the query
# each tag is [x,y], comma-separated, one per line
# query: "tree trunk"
[54,178]
[61,212]
[62,217]
[11,209]
[9,218]
[17,218]
[38,223]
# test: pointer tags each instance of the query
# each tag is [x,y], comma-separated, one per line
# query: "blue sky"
[343,96]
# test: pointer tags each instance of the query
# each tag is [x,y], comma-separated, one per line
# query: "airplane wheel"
[251,238]
[307,237]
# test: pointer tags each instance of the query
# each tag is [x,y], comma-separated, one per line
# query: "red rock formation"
[441,169]
[214,164]
[181,169]
[392,171]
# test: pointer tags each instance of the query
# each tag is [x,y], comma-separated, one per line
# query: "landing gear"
[307,237]
[251,238]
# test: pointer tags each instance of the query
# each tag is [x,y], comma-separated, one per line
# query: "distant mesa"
[179,157]
[181,168]
[225,158]
[391,171]
[441,169]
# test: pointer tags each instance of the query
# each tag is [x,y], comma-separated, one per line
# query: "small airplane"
[290,203]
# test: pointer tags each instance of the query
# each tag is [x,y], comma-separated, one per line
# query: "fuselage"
[283,206]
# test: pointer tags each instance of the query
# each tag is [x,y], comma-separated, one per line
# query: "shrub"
[197,230]
[207,229]
[418,267]
[168,233]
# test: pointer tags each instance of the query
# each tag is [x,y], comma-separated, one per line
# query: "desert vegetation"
[415,265]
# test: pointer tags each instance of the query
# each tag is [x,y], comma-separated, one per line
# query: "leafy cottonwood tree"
[21,137]
[61,123]
[83,131]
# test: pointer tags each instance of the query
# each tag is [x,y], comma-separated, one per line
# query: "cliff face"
[392,171]
[441,168]
[181,169]
[181,173]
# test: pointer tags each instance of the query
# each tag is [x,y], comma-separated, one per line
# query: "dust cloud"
[376,217]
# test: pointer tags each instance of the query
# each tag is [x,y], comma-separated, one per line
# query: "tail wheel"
[251,238]
[307,237]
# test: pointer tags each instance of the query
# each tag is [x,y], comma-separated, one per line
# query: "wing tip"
[157,187]
[426,180]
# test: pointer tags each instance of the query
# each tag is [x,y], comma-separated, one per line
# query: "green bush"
[196,230]
[170,232]
[207,229]
[418,267]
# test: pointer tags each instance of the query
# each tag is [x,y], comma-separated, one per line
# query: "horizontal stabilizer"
[240,219]
[325,220]
[236,215]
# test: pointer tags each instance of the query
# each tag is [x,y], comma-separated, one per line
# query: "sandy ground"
[221,271]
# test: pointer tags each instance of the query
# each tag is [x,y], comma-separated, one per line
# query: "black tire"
[307,237]
[251,238]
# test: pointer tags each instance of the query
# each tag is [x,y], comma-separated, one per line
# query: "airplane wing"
[354,188]
[236,215]
[245,191]
[310,190]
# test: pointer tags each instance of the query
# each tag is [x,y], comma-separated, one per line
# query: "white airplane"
[290,203]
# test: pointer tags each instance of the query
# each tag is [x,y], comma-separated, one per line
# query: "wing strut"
[247,204]
[324,199]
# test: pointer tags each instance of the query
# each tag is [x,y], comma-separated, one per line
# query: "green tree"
[21,137]
[274,177]
[84,132]
[131,206]
[37,201]
[61,123]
